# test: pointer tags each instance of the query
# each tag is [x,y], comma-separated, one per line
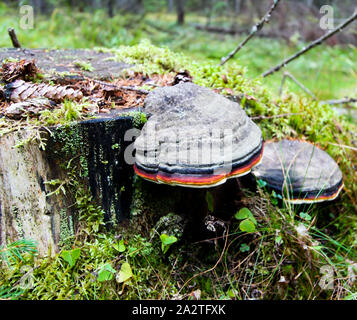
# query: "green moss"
[66,230]
[138,198]
[83,65]
[70,139]
[139,119]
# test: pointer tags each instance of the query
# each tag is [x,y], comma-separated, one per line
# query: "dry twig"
[276,116]
[13,37]
[341,101]
[130,88]
[291,77]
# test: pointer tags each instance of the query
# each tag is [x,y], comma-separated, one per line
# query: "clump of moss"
[66,230]
[83,65]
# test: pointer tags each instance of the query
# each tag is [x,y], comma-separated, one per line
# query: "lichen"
[19,224]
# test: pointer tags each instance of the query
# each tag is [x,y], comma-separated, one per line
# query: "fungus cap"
[304,172]
[195,137]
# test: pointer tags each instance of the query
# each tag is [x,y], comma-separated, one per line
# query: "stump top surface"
[57,63]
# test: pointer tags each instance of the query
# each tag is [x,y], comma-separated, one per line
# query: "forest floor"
[292,250]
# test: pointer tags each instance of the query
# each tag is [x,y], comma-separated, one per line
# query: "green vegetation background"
[329,72]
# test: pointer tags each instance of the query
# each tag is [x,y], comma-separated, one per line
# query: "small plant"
[71,256]
[244,247]
[14,252]
[305,216]
[71,110]
[106,273]
[248,221]
[125,273]
[11,255]
[56,182]
[210,201]
[167,241]
[120,246]
[83,65]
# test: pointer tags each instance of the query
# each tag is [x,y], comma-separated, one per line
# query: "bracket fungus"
[195,138]
[300,170]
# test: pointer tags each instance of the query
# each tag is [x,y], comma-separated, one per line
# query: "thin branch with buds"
[253,31]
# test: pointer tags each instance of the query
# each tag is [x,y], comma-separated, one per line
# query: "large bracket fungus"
[196,138]
[300,170]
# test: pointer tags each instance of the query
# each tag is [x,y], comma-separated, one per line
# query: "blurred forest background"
[204,29]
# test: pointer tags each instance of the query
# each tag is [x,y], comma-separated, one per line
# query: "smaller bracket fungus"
[195,138]
[300,170]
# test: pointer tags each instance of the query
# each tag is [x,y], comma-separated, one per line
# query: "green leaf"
[244,247]
[166,242]
[261,183]
[247,226]
[71,256]
[232,293]
[276,195]
[278,239]
[125,273]
[209,200]
[305,216]
[120,246]
[245,213]
[106,273]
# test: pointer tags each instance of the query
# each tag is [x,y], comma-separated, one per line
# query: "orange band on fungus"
[199,181]
[317,198]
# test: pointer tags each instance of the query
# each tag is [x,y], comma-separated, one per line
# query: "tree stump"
[90,152]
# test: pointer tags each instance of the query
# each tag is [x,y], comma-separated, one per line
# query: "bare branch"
[253,31]
[282,84]
[130,88]
[291,77]
[343,146]
[276,116]
[341,101]
[312,44]
[13,37]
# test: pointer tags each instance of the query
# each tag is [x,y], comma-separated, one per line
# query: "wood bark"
[29,206]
